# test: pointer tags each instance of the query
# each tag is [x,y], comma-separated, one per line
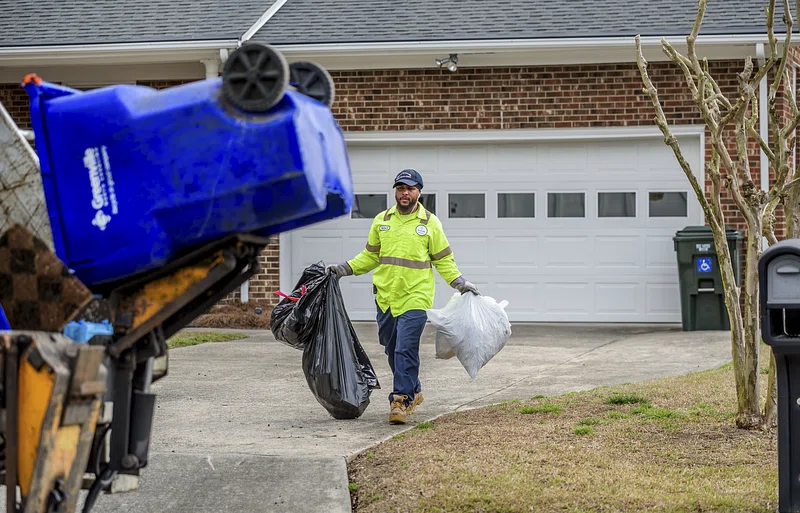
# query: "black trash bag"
[289,321]
[337,369]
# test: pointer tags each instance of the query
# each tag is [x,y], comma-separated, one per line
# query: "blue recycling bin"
[133,175]
[4,324]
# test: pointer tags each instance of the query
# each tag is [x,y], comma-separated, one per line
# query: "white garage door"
[565,231]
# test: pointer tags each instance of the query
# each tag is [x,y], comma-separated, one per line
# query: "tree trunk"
[736,320]
[771,406]
[750,415]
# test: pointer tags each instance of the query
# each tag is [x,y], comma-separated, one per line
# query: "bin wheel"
[312,80]
[255,77]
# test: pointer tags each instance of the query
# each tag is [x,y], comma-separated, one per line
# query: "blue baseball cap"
[408,177]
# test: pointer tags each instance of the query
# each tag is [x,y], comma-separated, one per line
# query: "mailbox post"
[779,280]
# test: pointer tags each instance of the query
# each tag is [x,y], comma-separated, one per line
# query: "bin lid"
[694,233]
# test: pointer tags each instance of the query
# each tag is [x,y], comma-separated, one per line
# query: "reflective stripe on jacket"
[403,250]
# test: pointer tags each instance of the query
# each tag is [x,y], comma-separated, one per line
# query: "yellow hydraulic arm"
[79,415]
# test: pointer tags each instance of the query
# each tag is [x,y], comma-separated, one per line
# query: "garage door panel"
[425,159]
[459,161]
[564,161]
[618,252]
[660,253]
[568,297]
[358,296]
[615,157]
[513,162]
[618,297]
[566,252]
[517,254]
[470,251]
[663,299]
[523,298]
[313,249]
[371,162]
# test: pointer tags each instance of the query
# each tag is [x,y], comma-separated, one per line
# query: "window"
[668,204]
[367,206]
[616,204]
[516,204]
[467,206]
[429,202]
[566,204]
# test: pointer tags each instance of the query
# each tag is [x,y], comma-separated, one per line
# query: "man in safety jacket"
[404,244]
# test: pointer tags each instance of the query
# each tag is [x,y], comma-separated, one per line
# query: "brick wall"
[508,97]
[497,98]
[15,101]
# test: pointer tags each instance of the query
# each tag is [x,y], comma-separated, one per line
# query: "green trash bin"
[702,294]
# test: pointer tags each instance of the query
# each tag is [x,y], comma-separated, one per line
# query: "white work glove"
[339,270]
[463,286]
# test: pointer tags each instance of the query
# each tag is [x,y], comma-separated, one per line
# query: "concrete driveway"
[238,430]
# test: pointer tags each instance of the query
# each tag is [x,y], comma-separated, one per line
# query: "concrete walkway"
[238,430]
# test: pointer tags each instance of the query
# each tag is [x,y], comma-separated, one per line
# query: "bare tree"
[730,170]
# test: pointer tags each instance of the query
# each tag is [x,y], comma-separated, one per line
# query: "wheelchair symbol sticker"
[704,265]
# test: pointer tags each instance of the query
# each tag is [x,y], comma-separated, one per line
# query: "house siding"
[521,97]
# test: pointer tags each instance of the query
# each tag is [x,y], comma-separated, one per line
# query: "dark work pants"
[400,338]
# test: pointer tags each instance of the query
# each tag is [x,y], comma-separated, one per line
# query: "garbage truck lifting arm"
[147,256]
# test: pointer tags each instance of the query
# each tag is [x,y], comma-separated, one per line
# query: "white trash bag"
[472,328]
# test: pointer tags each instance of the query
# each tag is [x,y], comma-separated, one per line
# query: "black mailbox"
[779,283]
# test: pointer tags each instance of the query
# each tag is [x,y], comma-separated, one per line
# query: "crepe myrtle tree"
[729,168]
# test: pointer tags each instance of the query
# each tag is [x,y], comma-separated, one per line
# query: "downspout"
[244,292]
[763,119]
[211,67]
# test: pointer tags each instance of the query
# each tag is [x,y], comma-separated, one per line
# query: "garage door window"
[566,204]
[616,204]
[668,204]
[467,206]
[429,202]
[516,204]
[367,206]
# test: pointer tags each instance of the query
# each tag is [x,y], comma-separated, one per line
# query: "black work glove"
[340,270]
[463,286]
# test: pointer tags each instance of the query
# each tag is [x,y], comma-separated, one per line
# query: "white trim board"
[499,135]
[527,44]
[393,55]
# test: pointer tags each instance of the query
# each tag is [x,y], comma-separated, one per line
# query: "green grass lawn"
[665,445]
[185,339]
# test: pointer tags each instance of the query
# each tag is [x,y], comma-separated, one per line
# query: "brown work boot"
[418,399]
[397,412]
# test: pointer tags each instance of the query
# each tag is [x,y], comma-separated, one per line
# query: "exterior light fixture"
[452,62]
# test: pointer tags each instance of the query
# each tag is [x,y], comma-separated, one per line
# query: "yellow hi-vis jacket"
[404,249]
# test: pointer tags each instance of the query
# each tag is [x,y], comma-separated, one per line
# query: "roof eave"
[393,54]
[511,52]
[155,51]
[518,44]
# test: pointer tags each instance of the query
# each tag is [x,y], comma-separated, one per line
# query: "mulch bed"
[236,316]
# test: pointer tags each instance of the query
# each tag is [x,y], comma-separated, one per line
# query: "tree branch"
[792,125]
[787,18]
[716,186]
[751,128]
[761,142]
[669,138]
[788,185]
